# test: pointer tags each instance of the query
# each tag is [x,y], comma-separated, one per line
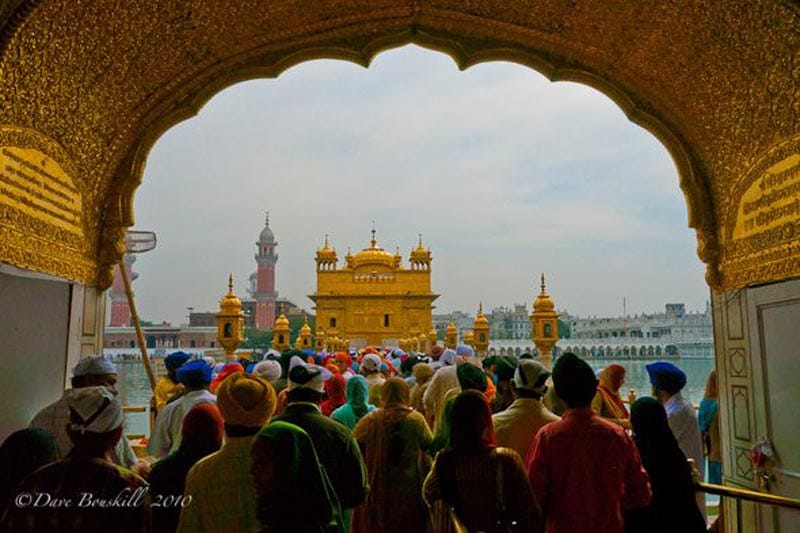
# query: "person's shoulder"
[57,407]
[204,465]
[507,455]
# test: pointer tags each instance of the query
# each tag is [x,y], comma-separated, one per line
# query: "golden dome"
[481,320]
[543,301]
[306,329]
[420,253]
[326,253]
[373,256]
[230,303]
[451,328]
[282,323]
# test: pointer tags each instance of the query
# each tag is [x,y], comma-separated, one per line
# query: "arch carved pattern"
[717,87]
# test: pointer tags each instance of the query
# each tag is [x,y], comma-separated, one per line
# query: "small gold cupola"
[326,257]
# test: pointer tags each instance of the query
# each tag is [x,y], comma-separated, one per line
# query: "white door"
[773,315]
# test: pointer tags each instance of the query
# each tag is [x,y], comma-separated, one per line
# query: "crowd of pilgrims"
[368,441]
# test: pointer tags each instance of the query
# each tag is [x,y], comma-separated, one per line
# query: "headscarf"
[395,394]
[94,410]
[666,376]
[422,372]
[471,427]
[574,380]
[286,360]
[230,368]
[194,374]
[22,453]
[470,377]
[441,439]
[357,393]
[673,503]
[269,370]
[296,490]
[202,429]
[175,360]
[612,377]
[334,387]
[246,400]
[711,386]
[344,357]
[649,423]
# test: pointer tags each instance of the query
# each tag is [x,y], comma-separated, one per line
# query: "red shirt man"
[584,470]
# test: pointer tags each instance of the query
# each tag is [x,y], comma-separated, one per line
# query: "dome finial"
[267,219]
[230,282]
[480,308]
[420,240]
[373,242]
[326,240]
[542,281]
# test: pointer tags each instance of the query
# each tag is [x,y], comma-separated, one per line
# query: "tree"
[564,331]
[256,338]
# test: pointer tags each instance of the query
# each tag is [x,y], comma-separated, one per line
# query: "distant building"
[162,336]
[674,323]
[463,321]
[373,299]
[507,323]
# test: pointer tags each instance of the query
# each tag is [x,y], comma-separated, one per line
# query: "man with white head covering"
[337,449]
[90,371]
[100,493]
[516,427]
[445,380]
[371,369]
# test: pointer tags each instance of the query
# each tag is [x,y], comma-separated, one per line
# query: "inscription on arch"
[763,224]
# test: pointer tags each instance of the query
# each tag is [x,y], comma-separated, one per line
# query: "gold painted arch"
[718,87]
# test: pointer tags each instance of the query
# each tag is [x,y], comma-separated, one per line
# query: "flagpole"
[139,335]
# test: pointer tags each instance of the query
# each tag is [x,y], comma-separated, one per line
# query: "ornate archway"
[86,91]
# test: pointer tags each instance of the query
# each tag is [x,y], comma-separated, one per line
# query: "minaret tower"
[265,294]
[481,328]
[544,326]
[120,309]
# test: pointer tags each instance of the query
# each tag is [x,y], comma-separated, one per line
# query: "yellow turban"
[246,400]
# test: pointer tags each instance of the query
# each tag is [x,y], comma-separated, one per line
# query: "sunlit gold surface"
[544,325]
[373,299]
[230,322]
[281,332]
[715,82]
[481,331]
[451,335]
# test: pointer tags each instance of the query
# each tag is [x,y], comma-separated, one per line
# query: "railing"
[749,495]
[740,495]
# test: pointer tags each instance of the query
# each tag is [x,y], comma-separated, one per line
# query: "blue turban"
[176,360]
[195,374]
[666,376]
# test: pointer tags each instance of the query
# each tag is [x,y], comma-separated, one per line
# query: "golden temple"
[373,299]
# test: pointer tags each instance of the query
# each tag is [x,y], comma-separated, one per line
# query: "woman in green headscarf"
[357,394]
[292,489]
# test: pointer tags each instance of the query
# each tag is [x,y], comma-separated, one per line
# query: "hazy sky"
[505,174]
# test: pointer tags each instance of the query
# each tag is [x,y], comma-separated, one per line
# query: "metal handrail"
[749,495]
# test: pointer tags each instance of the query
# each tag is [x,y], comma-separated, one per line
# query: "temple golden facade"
[373,299]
